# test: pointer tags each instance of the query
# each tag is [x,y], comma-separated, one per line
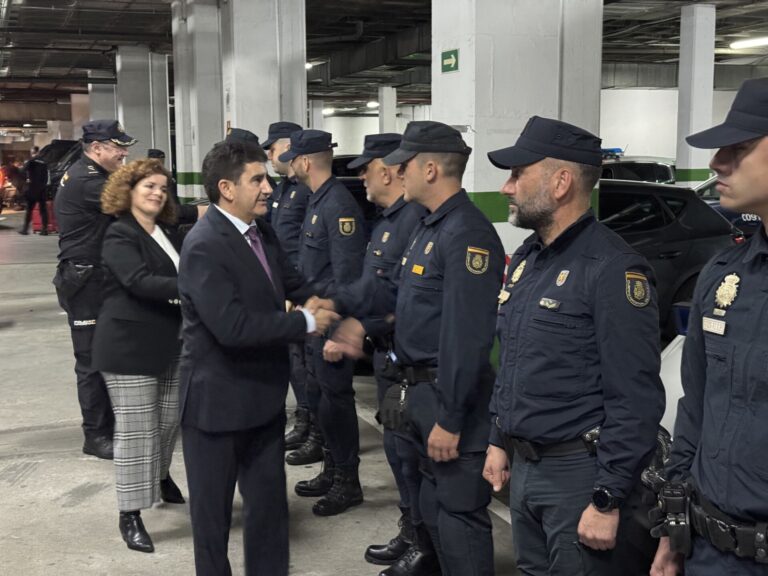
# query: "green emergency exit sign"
[450,60]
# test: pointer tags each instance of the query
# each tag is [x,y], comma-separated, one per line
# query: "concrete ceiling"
[48,47]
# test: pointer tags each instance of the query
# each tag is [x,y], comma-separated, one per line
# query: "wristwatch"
[603,500]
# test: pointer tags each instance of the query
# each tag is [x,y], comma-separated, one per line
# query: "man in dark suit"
[234,279]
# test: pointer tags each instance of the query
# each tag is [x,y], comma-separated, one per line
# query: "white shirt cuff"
[311,323]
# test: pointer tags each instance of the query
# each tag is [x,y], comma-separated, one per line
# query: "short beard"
[537,216]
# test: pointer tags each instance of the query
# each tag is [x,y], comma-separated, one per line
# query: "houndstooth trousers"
[146,425]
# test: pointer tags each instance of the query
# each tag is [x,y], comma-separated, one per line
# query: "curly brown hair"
[116,196]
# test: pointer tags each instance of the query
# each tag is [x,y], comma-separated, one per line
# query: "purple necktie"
[254,236]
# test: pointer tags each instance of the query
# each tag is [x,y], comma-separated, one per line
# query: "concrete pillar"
[101,97]
[159,102]
[266,38]
[60,130]
[81,110]
[134,107]
[198,102]
[696,77]
[316,120]
[497,63]
[387,109]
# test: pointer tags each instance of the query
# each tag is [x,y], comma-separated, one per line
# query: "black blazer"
[234,366]
[137,331]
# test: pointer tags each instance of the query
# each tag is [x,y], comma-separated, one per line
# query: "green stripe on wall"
[493,204]
[189,178]
[692,174]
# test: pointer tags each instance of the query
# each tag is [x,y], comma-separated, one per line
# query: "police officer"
[445,312]
[79,275]
[578,329]
[721,432]
[330,255]
[389,241]
[289,206]
[37,181]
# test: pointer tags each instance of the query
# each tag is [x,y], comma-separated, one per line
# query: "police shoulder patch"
[638,289]
[347,226]
[477,260]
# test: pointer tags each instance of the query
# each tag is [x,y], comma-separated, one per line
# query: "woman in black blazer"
[137,342]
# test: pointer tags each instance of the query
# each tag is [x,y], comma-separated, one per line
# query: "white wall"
[644,122]
[641,120]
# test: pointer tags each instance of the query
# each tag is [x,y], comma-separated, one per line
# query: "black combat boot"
[419,560]
[320,484]
[309,452]
[345,493]
[296,437]
[386,554]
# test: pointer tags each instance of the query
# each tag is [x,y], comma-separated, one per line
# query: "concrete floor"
[58,514]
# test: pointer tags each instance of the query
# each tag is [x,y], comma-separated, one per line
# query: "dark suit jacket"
[234,367]
[137,331]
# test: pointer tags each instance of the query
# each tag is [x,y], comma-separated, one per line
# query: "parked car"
[673,228]
[643,168]
[747,223]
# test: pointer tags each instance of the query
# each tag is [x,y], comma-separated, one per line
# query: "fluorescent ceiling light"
[26,125]
[751,43]
[328,111]
[308,66]
[372,104]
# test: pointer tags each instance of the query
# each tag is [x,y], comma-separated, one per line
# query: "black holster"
[672,517]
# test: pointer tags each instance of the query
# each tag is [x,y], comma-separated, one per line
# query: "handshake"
[348,336]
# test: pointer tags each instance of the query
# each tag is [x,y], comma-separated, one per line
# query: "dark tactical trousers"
[402,455]
[298,374]
[81,299]
[547,499]
[707,560]
[454,497]
[331,399]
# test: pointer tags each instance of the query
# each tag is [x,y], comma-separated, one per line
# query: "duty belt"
[415,374]
[727,534]
[533,451]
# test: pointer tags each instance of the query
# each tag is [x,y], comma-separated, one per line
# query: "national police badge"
[727,291]
[477,260]
[638,289]
[347,226]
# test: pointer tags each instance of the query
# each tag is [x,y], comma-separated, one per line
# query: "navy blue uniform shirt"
[389,240]
[446,308]
[332,240]
[289,206]
[579,335]
[721,431]
[78,212]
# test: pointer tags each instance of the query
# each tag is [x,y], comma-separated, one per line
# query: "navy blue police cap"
[548,138]
[427,136]
[376,146]
[307,142]
[106,130]
[242,136]
[278,130]
[746,120]
[155,153]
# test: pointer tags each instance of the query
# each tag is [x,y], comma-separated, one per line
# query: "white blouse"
[159,236]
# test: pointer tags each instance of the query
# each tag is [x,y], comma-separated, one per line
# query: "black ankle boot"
[134,533]
[345,493]
[419,560]
[169,492]
[309,452]
[389,553]
[320,484]
[296,437]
